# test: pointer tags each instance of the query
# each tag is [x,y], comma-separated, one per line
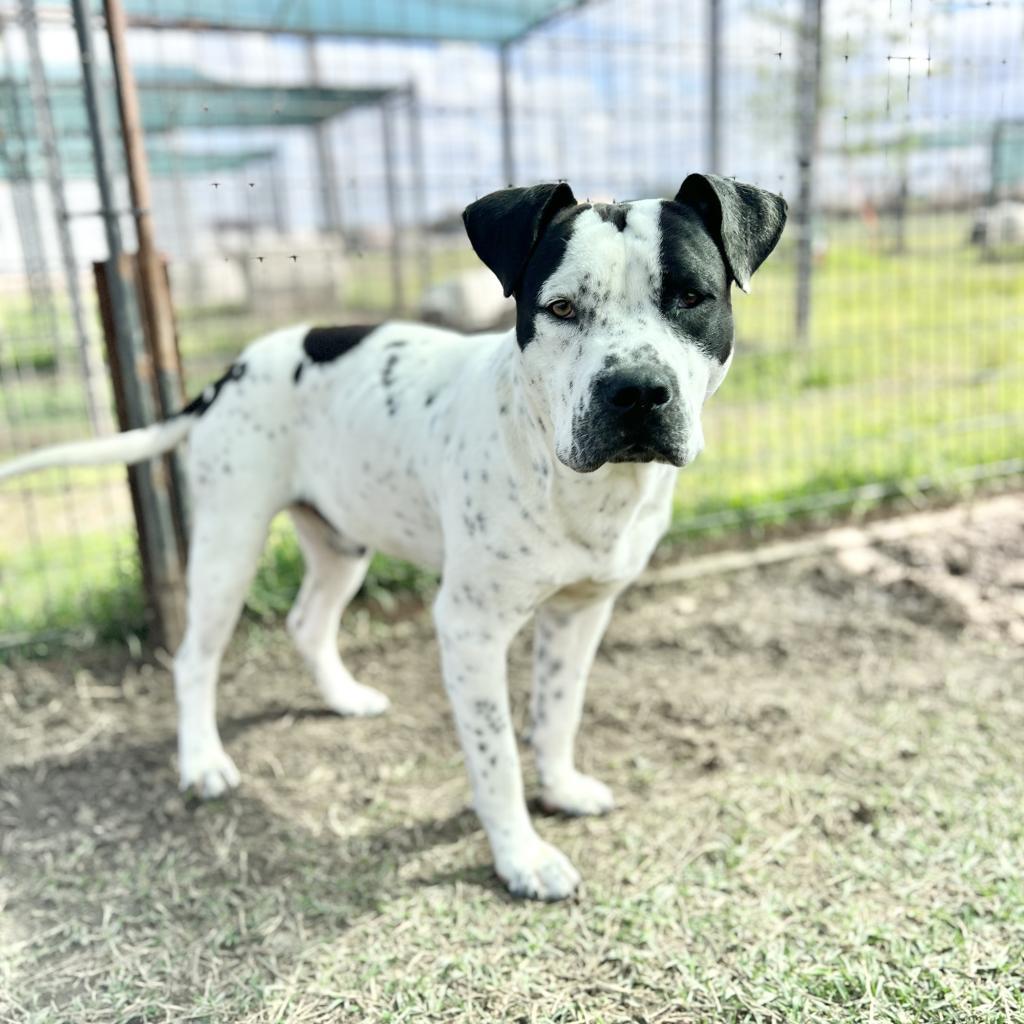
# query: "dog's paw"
[353,699]
[210,775]
[540,873]
[577,794]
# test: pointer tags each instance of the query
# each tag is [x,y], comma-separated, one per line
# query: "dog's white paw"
[541,872]
[210,774]
[351,698]
[578,794]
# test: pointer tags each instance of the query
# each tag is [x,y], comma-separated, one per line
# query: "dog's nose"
[635,392]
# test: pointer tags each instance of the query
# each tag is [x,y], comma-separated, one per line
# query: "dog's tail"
[130,447]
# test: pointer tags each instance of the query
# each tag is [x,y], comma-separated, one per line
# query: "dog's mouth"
[647,453]
[589,458]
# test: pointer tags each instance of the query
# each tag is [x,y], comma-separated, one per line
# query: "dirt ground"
[820,777]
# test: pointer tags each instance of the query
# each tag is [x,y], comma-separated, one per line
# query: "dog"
[533,469]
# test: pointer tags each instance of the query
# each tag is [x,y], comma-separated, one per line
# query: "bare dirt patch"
[820,777]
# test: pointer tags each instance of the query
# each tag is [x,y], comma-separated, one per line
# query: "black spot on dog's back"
[209,394]
[325,344]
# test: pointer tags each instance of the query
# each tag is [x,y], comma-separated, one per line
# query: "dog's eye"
[690,299]
[562,308]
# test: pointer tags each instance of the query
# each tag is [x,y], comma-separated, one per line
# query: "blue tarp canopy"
[482,21]
[179,98]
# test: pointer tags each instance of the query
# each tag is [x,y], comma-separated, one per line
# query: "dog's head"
[623,311]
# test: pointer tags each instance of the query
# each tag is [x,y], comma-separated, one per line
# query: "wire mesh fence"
[310,162]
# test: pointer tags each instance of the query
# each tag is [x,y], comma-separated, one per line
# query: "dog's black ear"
[506,226]
[744,220]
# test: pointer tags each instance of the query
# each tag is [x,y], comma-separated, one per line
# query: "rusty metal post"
[161,335]
[153,281]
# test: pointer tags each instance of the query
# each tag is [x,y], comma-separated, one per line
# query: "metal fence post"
[419,188]
[808,104]
[160,332]
[715,86]
[157,536]
[96,395]
[508,157]
[331,218]
[391,196]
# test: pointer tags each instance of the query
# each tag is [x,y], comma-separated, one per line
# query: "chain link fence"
[310,162]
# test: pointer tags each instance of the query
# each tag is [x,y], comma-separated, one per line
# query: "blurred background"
[308,160]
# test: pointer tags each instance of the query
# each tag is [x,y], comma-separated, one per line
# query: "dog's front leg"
[474,649]
[566,637]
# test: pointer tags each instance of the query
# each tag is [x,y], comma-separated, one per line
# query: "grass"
[913,376]
[819,784]
[72,595]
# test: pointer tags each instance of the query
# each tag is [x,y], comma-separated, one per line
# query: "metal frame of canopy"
[452,20]
[503,41]
[443,20]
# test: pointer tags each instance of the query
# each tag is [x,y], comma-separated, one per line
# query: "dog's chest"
[604,527]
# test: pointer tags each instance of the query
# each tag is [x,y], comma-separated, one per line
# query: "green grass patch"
[89,588]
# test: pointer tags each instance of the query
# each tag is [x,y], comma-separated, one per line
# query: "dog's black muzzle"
[633,416]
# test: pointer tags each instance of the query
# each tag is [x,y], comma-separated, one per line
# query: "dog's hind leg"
[335,570]
[224,549]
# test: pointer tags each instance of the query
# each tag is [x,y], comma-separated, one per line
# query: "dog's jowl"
[533,469]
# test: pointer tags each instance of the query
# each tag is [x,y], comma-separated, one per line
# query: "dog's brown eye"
[691,299]
[562,308]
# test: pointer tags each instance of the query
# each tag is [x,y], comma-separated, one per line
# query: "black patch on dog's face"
[543,263]
[613,213]
[325,344]
[691,262]
[209,394]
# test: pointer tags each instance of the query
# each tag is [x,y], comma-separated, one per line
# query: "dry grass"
[821,787]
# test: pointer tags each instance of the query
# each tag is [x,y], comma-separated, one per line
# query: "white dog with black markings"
[533,469]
